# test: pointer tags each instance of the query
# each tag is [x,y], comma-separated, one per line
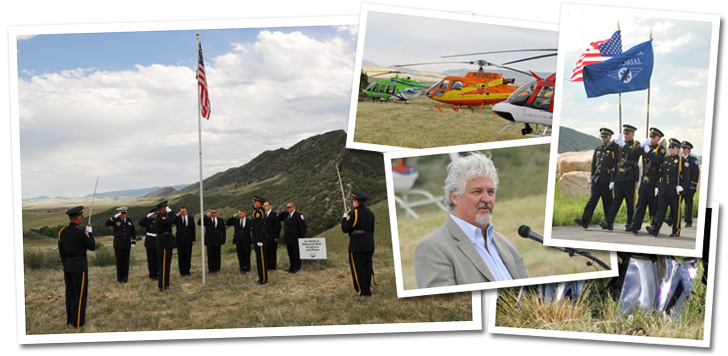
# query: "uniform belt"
[151,234]
[358,232]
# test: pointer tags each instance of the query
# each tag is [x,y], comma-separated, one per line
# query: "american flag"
[202,82]
[597,52]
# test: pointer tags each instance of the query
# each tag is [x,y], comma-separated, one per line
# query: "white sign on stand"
[312,249]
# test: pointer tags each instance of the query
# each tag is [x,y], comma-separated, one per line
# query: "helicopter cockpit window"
[521,95]
[443,84]
[369,88]
[456,85]
[390,89]
[376,87]
[543,98]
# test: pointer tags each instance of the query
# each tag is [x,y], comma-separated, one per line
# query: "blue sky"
[680,78]
[122,105]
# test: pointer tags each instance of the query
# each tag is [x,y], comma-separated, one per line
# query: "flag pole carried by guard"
[203,109]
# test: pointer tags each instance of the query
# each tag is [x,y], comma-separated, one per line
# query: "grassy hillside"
[571,140]
[321,294]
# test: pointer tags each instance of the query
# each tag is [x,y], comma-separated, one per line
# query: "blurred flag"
[202,82]
[628,71]
[597,52]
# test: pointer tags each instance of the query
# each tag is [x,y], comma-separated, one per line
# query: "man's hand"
[347,214]
[260,244]
[89,229]
[656,191]
[169,210]
[679,189]
[611,186]
[117,215]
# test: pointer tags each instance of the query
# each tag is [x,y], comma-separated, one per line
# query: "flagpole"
[619,128]
[199,134]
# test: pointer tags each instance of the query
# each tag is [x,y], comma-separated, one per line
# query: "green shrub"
[103,256]
[42,259]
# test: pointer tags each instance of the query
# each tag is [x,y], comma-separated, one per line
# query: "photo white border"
[13,31]
[401,292]
[561,71]
[366,8]
[493,298]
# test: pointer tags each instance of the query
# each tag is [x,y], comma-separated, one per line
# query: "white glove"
[656,191]
[645,143]
[588,180]
[133,245]
[117,215]
[647,148]
[345,215]
[89,229]
[168,210]
[620,141]
[611,186]
[150,215]
[679,189]
[260,244]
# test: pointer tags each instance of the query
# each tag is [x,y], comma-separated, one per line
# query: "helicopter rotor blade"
[506,51]
[531,58]
[426,63]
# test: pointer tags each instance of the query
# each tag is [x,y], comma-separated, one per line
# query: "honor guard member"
[185,236]
[602,171]
[651,163]
[674,179]
[150,243]
[694,179]
[214,239]
[359,224]
[124,240]
[294,229]
[72,245]
[272,233]
[625,178]
[241,239]
[165,243]
[260,241]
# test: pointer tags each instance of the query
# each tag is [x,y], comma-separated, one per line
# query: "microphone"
[526,232]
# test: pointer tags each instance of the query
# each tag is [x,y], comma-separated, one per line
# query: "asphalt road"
[595,233]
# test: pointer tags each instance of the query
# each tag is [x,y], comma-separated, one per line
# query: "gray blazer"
[446,257]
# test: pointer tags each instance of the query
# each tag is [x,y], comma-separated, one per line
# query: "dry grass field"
[420,125]
[320,294]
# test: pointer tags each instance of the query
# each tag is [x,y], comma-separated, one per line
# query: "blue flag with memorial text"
[629,71]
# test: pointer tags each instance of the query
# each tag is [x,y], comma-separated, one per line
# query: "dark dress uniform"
[625,182]
[166,243]
[673,173]
[185,236]
[260,243]
[150,244]
[241,240]
[651,163]
[215,236]
[359,224]
[72,245]
[602,170]
[124,237]
[294,229]
[689,193]
[272,233]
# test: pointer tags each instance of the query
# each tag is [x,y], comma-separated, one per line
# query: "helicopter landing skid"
[458,107]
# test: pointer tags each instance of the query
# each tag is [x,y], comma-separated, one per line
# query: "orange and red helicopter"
[530,103]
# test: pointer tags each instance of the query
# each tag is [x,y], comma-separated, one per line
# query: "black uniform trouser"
[243,251]
[213,258]
[271,254]
[260,261]
[361,272]
[294,257]
[152,263]
[122,264]
[76,295]
[623,191]
[663,202]
[688,196]
[184,257]
[647,199]
[164,258]
[598,191]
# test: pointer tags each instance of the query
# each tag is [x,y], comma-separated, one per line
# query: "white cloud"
[138,128]
[673,45]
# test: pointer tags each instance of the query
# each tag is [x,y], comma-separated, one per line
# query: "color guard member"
[73,242]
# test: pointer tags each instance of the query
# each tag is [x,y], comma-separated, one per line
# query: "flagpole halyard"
[199,134]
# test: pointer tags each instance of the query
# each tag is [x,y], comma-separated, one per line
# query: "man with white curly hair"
[466,249]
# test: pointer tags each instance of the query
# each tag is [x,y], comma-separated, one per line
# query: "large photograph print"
[635,114]
[116,124]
